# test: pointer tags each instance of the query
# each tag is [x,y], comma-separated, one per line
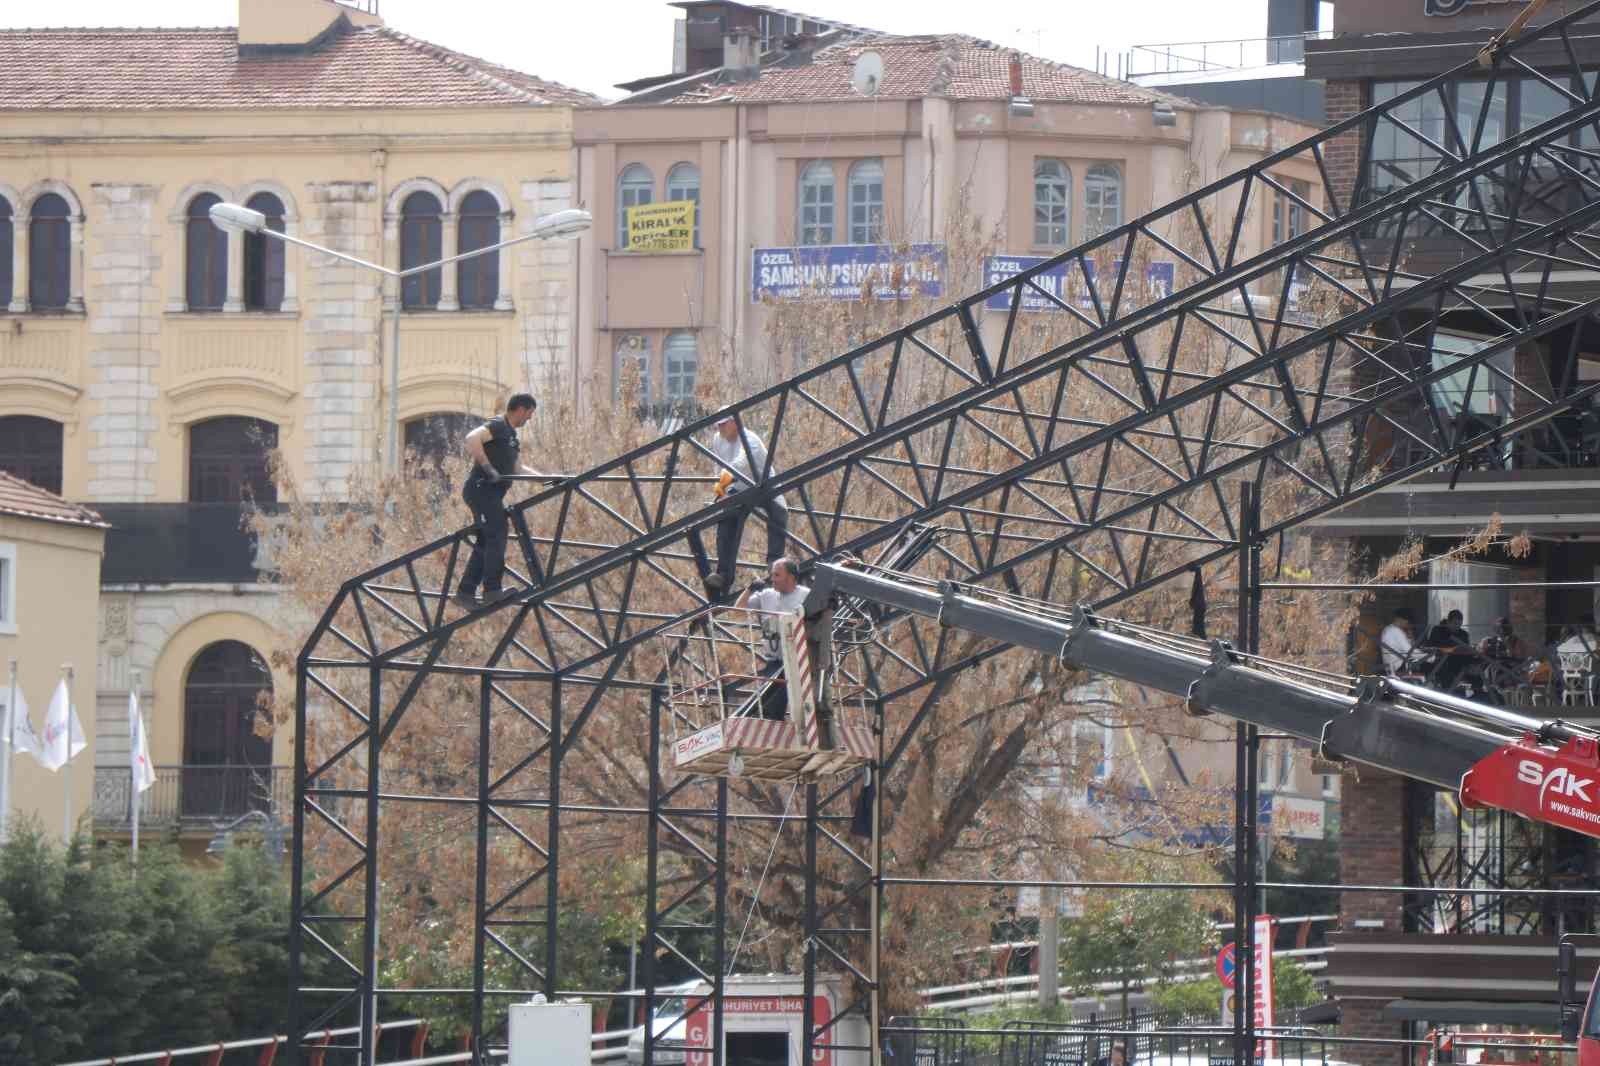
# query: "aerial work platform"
[737,711]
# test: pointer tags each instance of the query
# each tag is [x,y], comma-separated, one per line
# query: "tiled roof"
[188,69]
[18,497]
[947,65]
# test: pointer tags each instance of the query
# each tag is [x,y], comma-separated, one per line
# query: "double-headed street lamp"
[567,223]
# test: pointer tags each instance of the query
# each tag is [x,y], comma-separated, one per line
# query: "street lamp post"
[568,223]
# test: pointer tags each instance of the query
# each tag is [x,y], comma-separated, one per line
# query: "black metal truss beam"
[899,404]
[883,430]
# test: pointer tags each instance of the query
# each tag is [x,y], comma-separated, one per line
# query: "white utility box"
[551,1034]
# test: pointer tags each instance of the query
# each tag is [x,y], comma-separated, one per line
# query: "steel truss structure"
[1081,459]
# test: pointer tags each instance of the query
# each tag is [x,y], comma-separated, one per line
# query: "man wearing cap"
[493,449]
[742,458]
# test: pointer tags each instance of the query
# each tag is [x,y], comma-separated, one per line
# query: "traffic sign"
[1225,966]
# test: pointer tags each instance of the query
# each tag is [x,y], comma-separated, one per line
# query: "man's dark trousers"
[730,530]
[488,562]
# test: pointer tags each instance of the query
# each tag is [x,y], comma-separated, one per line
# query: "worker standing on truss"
[493,449]
[784,596]
[743,457]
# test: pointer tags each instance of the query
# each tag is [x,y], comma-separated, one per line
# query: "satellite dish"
[868,73]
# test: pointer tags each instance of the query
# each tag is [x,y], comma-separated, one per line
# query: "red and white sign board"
[1264,1016]
[765,1009]
[1263,981]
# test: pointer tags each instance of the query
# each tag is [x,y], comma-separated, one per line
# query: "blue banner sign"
[1066,282]
[842,271]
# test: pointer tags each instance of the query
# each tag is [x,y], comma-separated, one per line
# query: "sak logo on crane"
[1563,781]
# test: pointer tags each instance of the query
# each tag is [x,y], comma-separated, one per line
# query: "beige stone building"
[148,359]
[49,594]
[807,142]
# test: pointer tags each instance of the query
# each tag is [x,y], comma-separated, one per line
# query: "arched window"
[636,186]
[866,201]
[263,257]
[633,362]
[49,253]
[1102,200]
[228,460]
[205,257]
[7,237]
[478,278]
[30,448]
[682,358]
[421,241]
[683,183]
[817,200]
[433,438]
[226,764]
[1052,203]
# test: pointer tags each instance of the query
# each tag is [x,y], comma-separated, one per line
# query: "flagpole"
[67,766]
[5,764]
[135,793]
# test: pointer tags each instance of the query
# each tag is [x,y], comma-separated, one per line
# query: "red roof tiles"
[201,69]
[18,497]
[948,65]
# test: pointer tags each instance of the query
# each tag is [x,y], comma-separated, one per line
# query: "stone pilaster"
[344,419]
[545,290]
[124,313]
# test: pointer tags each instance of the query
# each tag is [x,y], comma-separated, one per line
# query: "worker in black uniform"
[493,448]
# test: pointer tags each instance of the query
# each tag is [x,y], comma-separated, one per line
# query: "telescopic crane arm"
[1547,771]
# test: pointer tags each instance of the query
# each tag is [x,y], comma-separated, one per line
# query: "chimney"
[1021,106]
[740,52]
[291,25]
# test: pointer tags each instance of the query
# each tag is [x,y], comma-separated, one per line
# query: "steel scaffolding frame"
[1294,398]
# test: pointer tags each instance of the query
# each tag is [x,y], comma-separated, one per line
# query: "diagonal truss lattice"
[1088,451]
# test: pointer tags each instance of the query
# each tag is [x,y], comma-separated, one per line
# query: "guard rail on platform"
[268,1046]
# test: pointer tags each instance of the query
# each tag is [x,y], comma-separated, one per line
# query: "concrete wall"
[57,592]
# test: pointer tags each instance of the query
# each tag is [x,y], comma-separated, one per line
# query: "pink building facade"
[791,162]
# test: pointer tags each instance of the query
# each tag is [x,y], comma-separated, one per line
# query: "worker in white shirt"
[1395,642]
[743,459]
[785,595]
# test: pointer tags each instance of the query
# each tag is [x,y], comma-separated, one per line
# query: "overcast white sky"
[594,44]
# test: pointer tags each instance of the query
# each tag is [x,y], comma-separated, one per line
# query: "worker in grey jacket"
[738,452]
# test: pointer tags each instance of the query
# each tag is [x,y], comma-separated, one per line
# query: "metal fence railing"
[197,796]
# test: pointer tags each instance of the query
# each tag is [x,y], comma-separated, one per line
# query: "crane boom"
[1546,771]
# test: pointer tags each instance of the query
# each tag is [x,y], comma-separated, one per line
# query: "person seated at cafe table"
[1503,643]
[1450,637]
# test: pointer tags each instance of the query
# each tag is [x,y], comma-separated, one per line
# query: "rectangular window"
[1288,211]
[8,589]
[1400,148]
[1477,390]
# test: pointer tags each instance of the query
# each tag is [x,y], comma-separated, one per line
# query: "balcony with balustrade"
[192,801]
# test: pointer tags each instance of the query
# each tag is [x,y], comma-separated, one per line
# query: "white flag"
[27,739]
[63,736]
[144,775]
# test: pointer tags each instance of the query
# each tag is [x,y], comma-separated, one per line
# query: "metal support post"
[553,846]
[297,870]
[1246,794]
[809,945]
[481,892]
[875,896]
[719,970]
[367,1041]
[652,887]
